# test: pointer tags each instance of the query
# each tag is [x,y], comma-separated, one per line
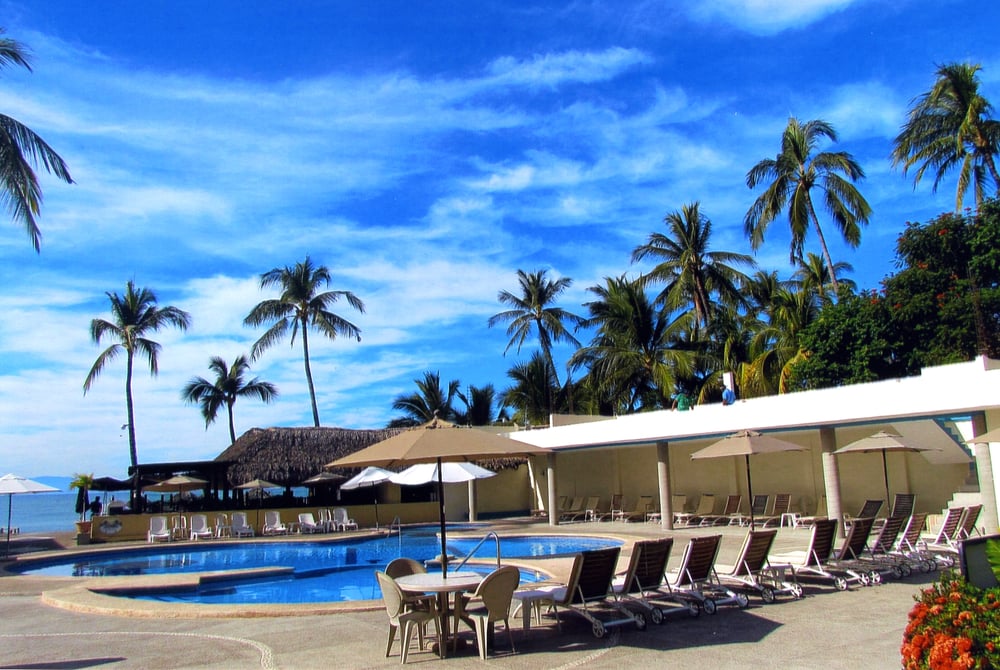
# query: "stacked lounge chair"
[695,578]
[753,571]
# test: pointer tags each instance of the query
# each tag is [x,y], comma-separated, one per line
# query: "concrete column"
[831,477]
[550,474]
[988,518]
[663,475]
[473,494]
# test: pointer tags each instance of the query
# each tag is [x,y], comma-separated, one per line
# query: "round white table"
[435,582]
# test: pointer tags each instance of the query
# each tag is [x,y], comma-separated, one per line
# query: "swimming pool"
[321,571]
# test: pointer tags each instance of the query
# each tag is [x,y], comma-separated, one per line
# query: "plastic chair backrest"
[157,525]
[401,567]
[392,595]
[497,590]
[240,520]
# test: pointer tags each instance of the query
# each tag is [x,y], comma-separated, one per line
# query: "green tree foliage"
[534,385]
[429,401]
[479,404]
[21,150]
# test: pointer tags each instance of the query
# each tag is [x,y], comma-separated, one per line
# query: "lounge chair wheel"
[656,615]
[897,572]
[797,591]
[865,579]
[927,566]
[906,570]
[742,601]
[876,577]
[840,583]
[693,610]
[598,629]
[709,606]
[640,620]
[767,594]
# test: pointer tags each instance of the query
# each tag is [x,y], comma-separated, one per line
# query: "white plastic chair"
[199,527]
[240,527]
[342,521]
[158,529]
[273,524]
[308,523]
[222,527]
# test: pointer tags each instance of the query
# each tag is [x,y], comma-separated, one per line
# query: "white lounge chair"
[200,528]
[308,523]
[240,527]
[273,524]
[222,527]
[343,522]
[158,529]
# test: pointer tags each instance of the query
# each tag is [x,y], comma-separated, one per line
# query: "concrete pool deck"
[859,628]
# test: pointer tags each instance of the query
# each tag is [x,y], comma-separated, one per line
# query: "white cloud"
[767,17]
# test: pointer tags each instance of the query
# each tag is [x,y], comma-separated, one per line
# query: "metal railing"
[398,525]
[476,548]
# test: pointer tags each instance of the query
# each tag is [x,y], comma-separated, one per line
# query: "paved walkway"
[859,628]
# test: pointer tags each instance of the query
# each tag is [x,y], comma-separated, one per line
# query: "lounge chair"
[586,510]
[695,578]
[342,521]
[758,508]
[488,604]
[968,524]
[273,524]
[222,526]
[908,546]
[781,507]
[158,529]
[179,527]
[643,506]
[903,504]
[945,539]
[587,593]
[308,523]
[850,558]
[326,519]
[729,512]
[820,513]
[706,506]
[643,583]
[200,528]
[240,527]
[752,569]
[880,553]
[614,509]
[574,508]
[815,560]
[678,501]
[868,511]
[404,618]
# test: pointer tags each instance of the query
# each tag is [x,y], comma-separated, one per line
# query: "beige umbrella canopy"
[882,441]
[177,484]
[990,436]
[746,443]
[435,442]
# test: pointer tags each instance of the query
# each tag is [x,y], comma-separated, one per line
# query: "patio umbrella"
[370,476]
[12,484]
[882,441]
[435,442]
[324,479]
[987,437]
[176,484]
[258,485]
[746,443]
[426,473]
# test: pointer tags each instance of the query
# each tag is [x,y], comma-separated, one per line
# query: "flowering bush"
[954,625]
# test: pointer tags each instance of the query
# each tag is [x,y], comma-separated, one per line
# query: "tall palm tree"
[429,401]
[530,395]
[230,383]
[635,358]
[692,274]
[775,347]
[21,150]
[134,316]
[533,310]
[950,126]
[790,178]
[814,277]
[302,305]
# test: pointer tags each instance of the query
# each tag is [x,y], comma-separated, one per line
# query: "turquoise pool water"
[322,571]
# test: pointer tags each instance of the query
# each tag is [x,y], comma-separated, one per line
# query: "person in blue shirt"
[728,396]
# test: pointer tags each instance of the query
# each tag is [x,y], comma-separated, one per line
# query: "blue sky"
[424,152]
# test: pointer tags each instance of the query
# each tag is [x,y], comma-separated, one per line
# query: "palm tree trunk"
[826,252]
[232,426]
[309,376]
[130,416]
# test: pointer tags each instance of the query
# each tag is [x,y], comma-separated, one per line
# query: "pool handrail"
[476,548]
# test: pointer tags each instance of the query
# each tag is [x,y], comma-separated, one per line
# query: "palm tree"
[814,277]
[301,306]
[531,393]
[636,356]
[790,178]
[951,126]
[429,401]
[533,310]
[479,405]
[230,383]
[692,274]
[135,315]
[21,150]
[775,347]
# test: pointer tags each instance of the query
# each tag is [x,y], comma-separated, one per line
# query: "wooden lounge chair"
[706,506]
[945,539]
[758,508]
[730,511]
[614,509]
[643,506]
[968,524]
[782,505]
[590,505]
[643,582]
[903,504]
[695,578]
[587,593]
[575,507]
[868,511]
[752,569]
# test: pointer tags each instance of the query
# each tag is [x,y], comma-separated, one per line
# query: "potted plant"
[82,482]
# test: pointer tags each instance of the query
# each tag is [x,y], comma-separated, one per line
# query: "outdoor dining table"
[442,586]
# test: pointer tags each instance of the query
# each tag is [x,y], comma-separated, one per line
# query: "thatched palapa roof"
[287,456]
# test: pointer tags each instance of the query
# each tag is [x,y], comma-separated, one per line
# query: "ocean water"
[40,512]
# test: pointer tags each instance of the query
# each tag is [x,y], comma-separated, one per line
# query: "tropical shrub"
[954,625]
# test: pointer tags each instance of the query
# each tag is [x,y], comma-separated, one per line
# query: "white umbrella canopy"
[882,441]
[324,478]
[746,443]
[370,476]
[12,485]
[426,473]
[438,441]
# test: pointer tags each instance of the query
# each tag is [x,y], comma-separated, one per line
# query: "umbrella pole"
[10,499]
[375,495]
[885,475]
[749,490]
[444,541]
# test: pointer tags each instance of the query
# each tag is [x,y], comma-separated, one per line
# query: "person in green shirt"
[682,402]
